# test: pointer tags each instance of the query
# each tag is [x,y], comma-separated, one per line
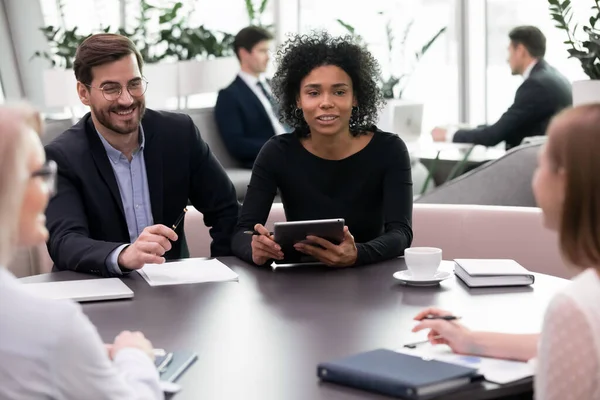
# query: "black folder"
[397,374]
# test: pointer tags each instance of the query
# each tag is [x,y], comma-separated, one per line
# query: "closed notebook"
[492,272]
[397,374]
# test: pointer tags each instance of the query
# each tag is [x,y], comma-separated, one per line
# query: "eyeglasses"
[112,91]
[48,175]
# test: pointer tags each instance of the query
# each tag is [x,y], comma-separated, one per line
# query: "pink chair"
[471,231]
[461,231]
[198,238]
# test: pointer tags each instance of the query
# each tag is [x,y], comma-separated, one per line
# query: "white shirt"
[50,350]
[527,71]
[252,82]
[568,361]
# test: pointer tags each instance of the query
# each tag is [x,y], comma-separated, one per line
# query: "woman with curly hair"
[336,163]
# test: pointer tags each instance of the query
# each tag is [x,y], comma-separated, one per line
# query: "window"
[92,15]
[502,16]
[435,78]
[87,15]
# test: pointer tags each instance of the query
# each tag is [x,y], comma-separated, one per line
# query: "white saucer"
[407,278]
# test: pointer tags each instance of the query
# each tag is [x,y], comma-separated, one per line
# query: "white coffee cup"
[422,262]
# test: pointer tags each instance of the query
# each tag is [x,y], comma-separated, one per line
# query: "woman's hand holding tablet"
[341,255]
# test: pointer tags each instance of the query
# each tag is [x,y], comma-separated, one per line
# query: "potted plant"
[587,51]
[180,59]
[399,115]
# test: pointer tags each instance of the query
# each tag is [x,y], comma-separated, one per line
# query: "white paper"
[493,369]
[191,270]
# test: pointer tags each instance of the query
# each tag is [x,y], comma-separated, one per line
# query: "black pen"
[444,317]
[176,224]
[255,233]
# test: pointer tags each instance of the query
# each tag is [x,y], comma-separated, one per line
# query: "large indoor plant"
[180,58]
[587,51]
[399,115]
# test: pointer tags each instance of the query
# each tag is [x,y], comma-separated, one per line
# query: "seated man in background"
[246,112]
[543,93]
[125,173]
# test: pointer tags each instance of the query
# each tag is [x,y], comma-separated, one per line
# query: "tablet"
[287,234]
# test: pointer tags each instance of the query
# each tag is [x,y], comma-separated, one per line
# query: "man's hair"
[249,37]
[573,146]
[100,49]
[531,37]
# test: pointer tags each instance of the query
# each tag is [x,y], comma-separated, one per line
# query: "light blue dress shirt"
[135,195]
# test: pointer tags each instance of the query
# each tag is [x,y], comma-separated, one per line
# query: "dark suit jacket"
[86,219]
[243,122]
[544,93]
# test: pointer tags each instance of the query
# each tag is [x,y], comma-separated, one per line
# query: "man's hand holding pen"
[150,246]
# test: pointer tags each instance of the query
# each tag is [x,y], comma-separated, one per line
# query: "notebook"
[190,270]
[81,290]
[397,374]
[492,272]
[493,369]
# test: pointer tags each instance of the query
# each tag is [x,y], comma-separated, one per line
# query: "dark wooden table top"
[262,337]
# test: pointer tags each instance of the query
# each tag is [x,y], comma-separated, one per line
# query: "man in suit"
[543,93]
[125,173]
[246,112]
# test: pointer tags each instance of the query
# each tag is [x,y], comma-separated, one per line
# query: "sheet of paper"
[494,370]
[191,270]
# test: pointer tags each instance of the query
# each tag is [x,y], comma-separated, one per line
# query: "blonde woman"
[49,349]
[566,185]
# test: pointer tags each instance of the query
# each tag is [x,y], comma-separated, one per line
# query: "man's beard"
[122,127]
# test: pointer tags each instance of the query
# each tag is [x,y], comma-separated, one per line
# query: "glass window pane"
[502,16]
[434,79]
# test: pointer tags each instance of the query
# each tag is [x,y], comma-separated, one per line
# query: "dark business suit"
[543,94]
[86,218]
[243,122]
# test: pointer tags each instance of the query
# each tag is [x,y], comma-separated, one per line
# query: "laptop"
[404,119]
[81,290]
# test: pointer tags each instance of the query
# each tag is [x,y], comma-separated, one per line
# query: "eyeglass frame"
[48,173]
[142,79]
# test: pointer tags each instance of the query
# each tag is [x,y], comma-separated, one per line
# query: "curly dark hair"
[302,53]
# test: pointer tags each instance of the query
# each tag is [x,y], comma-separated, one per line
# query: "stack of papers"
[493,369]
[81,290]
[191,270]
[493,272]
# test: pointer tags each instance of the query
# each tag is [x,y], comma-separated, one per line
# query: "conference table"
[262,337]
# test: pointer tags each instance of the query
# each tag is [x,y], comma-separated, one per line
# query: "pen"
[415,344]
[165,363]
[176,224]
[444,317]
[255,233]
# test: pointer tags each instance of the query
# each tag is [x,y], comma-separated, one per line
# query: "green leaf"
[250,10]
[346,26]
[428,44]
[263,6]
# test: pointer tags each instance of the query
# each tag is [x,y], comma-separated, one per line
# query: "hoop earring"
[354,117]
[298,113]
